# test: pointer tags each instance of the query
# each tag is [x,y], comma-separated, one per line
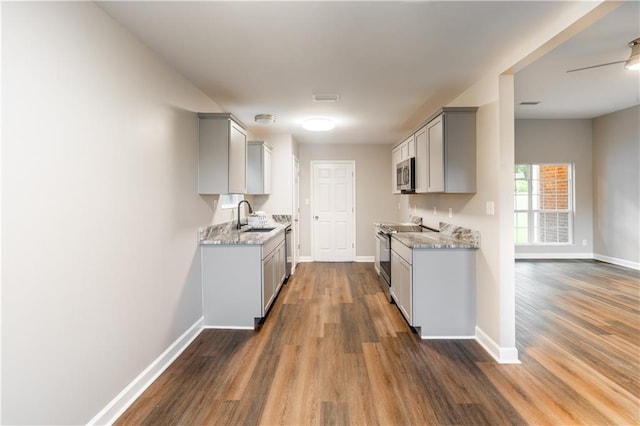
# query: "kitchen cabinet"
[401,284]
[258,168]
[435,289]
[273,272]
[241,281]
[396,157]
[422,165]
[446,152]
[404,151]
[222,154]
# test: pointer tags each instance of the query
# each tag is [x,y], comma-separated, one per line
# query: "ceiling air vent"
[326,98]
[529,102]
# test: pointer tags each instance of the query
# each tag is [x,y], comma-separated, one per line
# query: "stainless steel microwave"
[406,176]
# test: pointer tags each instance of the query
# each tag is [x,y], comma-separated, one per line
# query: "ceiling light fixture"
[325,98]
[633,63]
[318,124]
[265,119]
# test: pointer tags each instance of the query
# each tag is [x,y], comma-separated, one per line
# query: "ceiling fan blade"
[596,66]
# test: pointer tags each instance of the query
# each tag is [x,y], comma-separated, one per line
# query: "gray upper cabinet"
[258,168]
[446,152]
[222,155]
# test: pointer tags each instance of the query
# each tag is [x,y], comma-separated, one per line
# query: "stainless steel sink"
[258,229]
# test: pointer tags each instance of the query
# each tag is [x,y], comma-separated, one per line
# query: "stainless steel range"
[384,231]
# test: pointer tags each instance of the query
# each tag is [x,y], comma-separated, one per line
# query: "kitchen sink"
[258,229]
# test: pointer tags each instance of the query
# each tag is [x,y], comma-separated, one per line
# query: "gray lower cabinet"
[402,289]
[273,271]
[435,289]
[241,281]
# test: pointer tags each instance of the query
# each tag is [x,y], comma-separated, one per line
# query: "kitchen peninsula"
[433,280]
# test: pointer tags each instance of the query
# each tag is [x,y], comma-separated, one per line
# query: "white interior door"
[333,215]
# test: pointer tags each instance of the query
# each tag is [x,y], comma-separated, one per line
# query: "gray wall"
[374,201]
[561,141]
[100,212]
[616,173]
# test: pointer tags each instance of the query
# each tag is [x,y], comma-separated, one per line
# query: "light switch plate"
[491,208]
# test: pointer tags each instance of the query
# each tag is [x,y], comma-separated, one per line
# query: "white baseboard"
[502,355]
[109,414]
[370,259]
[619,262]
[367,259]
[554,256]
[227,327]
[447,337]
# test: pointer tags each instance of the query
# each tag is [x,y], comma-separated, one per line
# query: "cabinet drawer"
[402,251]
[270,245]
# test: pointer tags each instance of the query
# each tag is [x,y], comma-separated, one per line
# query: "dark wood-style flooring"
[333,351]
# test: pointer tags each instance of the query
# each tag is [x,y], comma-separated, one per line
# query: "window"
[230,201]
[543,204]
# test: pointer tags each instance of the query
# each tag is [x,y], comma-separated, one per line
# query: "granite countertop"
[227,234]
[449,237]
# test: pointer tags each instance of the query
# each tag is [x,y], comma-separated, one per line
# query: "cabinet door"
[406,298]
[267,282]
[401,285]
[422,160]
[267,170]
[411,146]
[435,144]
[395,159]
[279,268]
[396,273]
[237,159]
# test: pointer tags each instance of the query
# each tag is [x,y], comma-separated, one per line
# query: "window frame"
[231,202]
[531,212]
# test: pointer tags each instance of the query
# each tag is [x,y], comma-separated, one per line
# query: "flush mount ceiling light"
[633,63]
[265,119]
[318,124]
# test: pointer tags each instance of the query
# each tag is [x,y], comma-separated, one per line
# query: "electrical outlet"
[435,211]
[584,243]
[450,212]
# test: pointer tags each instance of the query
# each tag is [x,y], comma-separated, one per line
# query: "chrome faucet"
[238,226]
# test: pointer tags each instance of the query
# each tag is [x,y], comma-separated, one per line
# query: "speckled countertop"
[449,237]
[227,234]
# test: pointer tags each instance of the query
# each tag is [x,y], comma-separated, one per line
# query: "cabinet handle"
[315,217]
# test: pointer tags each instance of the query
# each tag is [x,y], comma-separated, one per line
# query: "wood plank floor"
[333,351]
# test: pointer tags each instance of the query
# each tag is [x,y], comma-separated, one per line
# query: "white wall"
[616,173]
[374,201]
[561,141]
[100,271]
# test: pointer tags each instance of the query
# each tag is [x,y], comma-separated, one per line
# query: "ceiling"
[588,93]
[392,63]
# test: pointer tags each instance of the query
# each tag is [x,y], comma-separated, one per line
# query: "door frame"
[295,217]
[353,204]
